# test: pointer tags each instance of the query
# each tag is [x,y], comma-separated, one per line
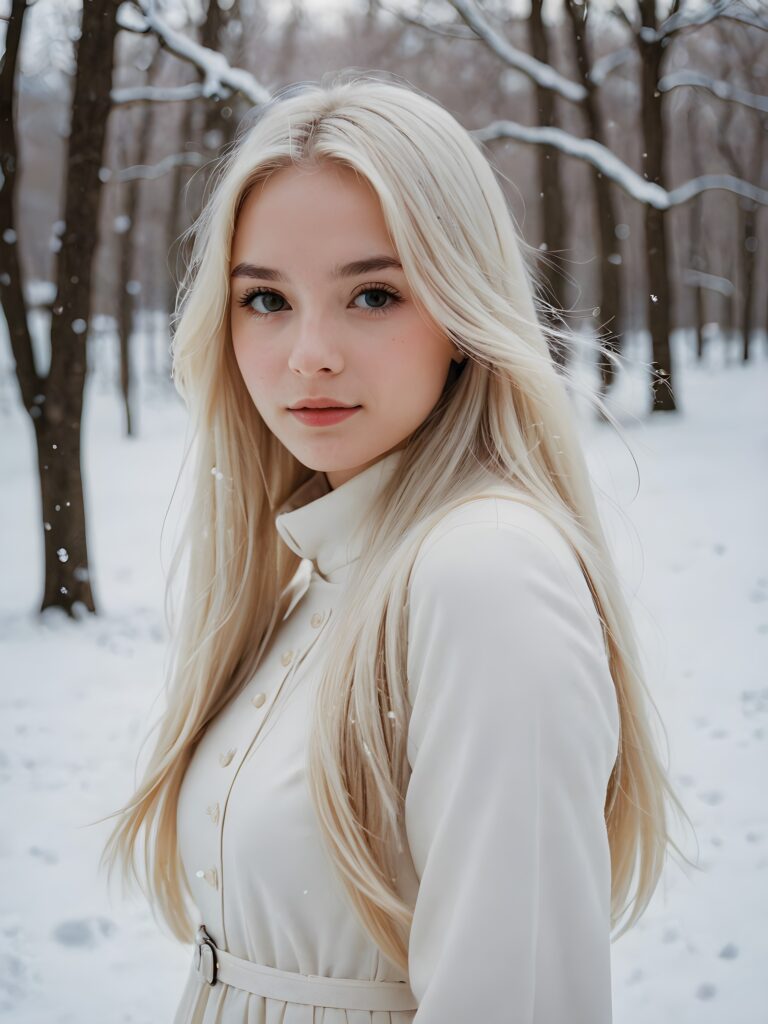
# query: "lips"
[322,417]
[321,402]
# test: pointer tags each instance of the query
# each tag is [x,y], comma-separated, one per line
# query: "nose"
[315,346]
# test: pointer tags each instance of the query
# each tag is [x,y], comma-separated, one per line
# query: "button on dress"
[512,738]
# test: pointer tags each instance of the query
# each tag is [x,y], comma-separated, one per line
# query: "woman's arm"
[512,738]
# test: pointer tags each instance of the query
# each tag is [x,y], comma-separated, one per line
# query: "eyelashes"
[396,299]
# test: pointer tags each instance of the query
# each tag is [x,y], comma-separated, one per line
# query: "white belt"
[213,964]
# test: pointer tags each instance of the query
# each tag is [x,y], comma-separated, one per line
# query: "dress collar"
[326,525]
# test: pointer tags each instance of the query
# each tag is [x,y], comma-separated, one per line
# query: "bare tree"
[175,221]
[697,250]
[133,139]
[610,279]
[552,213]
[749,163]
[215,127]
[55,401]
[645,187]
[650,44]
[650,37]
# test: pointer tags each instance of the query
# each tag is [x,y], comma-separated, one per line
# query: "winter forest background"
[632,138]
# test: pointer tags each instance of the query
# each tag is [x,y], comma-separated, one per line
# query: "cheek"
[413,365]
[257,364]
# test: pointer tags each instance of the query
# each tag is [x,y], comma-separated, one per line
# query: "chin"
[319,457]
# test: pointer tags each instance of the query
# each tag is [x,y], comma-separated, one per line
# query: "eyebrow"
[353,269]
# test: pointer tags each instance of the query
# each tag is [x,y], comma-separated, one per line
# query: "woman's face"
[306,323]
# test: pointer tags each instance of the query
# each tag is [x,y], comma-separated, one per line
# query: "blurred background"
[631,137]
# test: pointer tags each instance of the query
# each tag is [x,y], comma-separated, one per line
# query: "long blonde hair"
[507,410]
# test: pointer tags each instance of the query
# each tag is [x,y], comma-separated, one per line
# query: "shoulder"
[498,601]
[496,542]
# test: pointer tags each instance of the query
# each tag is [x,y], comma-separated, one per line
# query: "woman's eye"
[380,304]
[383,300]
[261,293]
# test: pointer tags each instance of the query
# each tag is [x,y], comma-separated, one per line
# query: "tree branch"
[612,167]
[156,94]
[220,79]
[723,90]
[695,18]
[543,74]
[147,172]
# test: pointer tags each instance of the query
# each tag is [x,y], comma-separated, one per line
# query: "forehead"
[299,215]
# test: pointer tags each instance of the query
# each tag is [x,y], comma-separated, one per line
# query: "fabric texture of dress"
[512,738]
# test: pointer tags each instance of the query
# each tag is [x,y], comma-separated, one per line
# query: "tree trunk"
[748,251]
[698,320]
[659,301]
[606,243]
[55,402]
[548,158]
[131,193]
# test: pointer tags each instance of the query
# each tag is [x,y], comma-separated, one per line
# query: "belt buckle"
[206,964]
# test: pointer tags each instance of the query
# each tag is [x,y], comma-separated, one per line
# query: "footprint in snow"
[47,856]
[706,991]
[711,796]
[83,932]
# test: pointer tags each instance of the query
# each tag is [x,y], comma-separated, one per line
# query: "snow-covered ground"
[687,521]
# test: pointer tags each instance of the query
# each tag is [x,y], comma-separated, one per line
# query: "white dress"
[512,738]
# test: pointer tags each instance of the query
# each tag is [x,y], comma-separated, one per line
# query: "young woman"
[406,772]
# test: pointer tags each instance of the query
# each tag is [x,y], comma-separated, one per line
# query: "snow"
[157,94]
[541,73]
[723,90]
[692,15]
[687,524]
[147,172]
[603,160]
[219,77]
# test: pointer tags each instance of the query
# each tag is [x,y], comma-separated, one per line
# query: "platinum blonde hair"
[505,409]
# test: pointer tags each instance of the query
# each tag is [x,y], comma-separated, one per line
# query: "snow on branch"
[723,90]
[219,77]
[612,167]
[541,73]
[147,172]
[707,182]
[698,279]
[546,76]
[695,17]
[452,31]
[156,94]
[608,63]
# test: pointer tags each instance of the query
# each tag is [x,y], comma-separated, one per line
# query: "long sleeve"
[512,738]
